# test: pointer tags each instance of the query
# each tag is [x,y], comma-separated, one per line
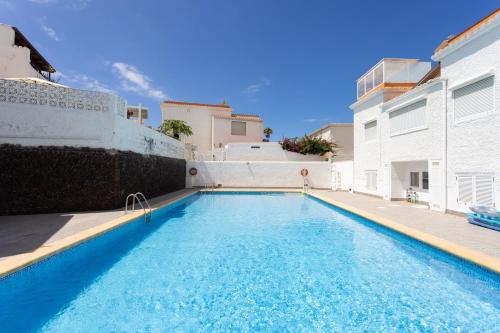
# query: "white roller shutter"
[484,190]
[371,130]
[476,189]
[408,118]
[465,190]
[473,99]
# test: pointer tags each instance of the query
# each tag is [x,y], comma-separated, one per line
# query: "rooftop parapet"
[391,72]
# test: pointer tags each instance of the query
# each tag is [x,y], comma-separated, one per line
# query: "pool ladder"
[210,187]
[137,197]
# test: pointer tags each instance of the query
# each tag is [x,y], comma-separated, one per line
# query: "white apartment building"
[433,132]
[213,125]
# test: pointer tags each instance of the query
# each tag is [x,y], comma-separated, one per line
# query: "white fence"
[261,174]
[34,114]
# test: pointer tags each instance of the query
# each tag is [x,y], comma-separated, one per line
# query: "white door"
[435,187]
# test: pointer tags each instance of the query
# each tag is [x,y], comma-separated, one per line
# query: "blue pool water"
[250,262]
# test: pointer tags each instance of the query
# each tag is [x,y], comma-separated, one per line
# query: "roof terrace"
[391,72]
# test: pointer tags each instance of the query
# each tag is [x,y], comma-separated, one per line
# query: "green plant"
[175,128]
[308,145]
[267,132]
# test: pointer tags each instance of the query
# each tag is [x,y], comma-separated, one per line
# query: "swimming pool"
[247,262]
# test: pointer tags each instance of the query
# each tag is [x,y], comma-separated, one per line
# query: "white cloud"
[310,120]
[82,81]
[50,32]
[253,89]
[71,4]
[131,79]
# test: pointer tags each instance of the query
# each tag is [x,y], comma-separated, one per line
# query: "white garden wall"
[264,151]
[259,174]
[33,114]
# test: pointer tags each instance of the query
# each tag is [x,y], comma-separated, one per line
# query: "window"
[369,81]
[425,180]
[378,75]
[414,179]
[408,118]
[475,189]
[238,128]
[371,130]
[371,180]
[361,87]
[473,99]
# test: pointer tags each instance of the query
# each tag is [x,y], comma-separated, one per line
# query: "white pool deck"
[26,235]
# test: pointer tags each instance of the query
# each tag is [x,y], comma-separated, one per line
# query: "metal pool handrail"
[147,213]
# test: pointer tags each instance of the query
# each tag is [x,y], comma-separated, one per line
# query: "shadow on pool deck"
[25,233]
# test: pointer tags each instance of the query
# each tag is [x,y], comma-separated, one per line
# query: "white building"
[436,133]
[19,58]
[340,134]
[213,125]
[137,113]
[342,163]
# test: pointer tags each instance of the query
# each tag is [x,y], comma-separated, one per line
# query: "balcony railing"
[392,71]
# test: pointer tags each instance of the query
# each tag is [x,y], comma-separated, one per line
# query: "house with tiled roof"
[213,125]
[431,134]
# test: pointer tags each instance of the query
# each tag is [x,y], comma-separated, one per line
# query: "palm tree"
[175,128]
[268,131]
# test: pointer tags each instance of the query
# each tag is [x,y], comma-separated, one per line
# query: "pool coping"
[473,256]
[20,261]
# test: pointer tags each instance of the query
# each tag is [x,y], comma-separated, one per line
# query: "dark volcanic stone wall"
[65,179]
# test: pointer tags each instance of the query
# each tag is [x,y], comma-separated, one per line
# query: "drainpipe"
[444,173]
[212,137]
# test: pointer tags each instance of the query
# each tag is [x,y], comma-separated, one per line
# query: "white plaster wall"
[367,155]
[25,120]
[14,60]
[129,135]
[344,138]
[267,151]
[259,174]
[473,146]
[222,132]
[342,175]
[418,145]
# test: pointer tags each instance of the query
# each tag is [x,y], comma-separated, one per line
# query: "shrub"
[308,145]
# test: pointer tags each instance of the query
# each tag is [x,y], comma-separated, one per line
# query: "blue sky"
[294,63]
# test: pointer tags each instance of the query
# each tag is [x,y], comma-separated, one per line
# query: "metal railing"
[137,197]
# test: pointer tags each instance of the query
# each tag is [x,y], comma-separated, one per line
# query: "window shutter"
[465,189]
[484,190]
[371,130]
[238,128]
[371,180]
[473,99]
[408,117]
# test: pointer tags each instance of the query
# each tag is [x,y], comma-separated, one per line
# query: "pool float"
[484,216]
